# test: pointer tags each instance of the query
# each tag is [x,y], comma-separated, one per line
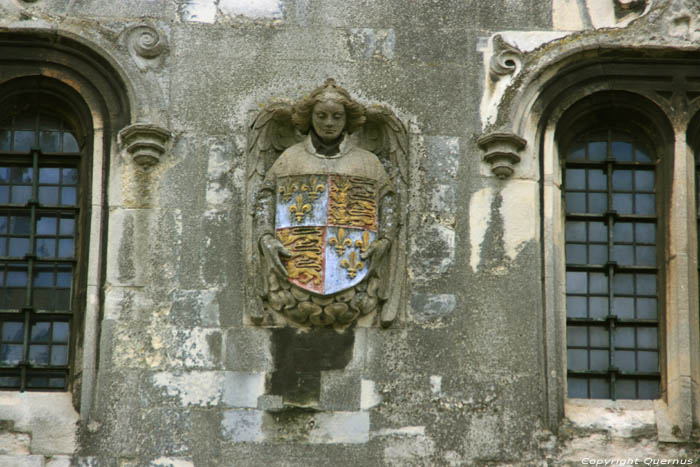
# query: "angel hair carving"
[327,187]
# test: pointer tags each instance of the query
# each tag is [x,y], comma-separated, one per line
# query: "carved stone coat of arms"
[327,177]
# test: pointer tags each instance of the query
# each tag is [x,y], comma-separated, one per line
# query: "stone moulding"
[502,152]
[145,142]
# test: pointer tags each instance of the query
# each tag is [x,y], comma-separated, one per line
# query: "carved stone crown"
[145,142]
[502,152]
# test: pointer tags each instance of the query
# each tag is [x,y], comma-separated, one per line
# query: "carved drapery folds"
[501,150]
[146,143]
[327,179]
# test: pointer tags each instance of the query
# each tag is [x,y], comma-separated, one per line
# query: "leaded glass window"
[612,280]
[39,212]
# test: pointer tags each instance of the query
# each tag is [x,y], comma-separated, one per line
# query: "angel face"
[328,120]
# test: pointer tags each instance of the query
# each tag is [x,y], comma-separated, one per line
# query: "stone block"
[195,388]
[22,461]
[13,443]
[270,403]
[340,427]
[340,391]
[247,350]
[428,307]
[243,389]
[242,425]
[59,461]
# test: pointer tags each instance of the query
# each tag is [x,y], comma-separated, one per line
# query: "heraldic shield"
[326,222]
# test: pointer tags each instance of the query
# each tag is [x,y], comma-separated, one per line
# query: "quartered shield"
[326,222]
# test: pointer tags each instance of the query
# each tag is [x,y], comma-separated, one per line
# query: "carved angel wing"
[270,133]
[386,136]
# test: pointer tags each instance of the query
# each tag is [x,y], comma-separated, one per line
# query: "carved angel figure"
[327,179]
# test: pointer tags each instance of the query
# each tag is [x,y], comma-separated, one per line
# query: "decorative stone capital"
[502,152]
[145,142]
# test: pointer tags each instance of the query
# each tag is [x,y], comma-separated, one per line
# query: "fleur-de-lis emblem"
[300,209]
[315,189]
[363,243]
[352,265]
[288,189]
[340,242]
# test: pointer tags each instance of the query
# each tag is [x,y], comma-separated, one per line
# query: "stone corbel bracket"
[502,151]
[145,142]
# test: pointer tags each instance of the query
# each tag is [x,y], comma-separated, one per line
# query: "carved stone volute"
[501,150]
[145,142]
[505,59]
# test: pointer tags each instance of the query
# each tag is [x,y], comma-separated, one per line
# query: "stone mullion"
[681,323]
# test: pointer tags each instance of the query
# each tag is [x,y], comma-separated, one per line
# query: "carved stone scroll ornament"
[501,150]
[505,59]
[147,45]
[328,177]
[145,142]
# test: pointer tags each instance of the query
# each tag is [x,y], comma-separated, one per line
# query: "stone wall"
[185,379]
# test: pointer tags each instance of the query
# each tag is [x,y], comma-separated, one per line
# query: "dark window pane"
[645,204]
[65,248]
[622,151]
[41,332]
[64,276]
[9,382]
[576,282]
[623,232]
[648,361]
[19,247]
[50,141]
[597,180]
[576,254]
[598,283]
[46,225]
[600,359]
[67,226]
[626,389]
[577,336]
[624,337]
[4,194]
[49,122]
[646,233]
[599,336]
[11,354]
[43,276]
[647,338]
[60,331]
[39,354]
[21,175]
[68,196]
[575,179]
[646,308]
[622,180]
[624,254]
[575,231]
[24,140]
[576,307]
[59,355]
[17,276]
[20,194]
[48,195]
[623,307]
[646,284]
[597,232]
[577,153]
[70,144]
[600,388]
[4,175]
[12,331]
[646,256]
[624,284]
[575,202]
[597,151]
[20,225]
[625,361]
[70,176]
[642,156]
[598,307]
[49,175]
[57,383]
[597,202]
[46,247]
[4,140]
[577,360]
[644,180]
[37,382]
[577,387]
[622,203]
[598,254]
[648,389]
